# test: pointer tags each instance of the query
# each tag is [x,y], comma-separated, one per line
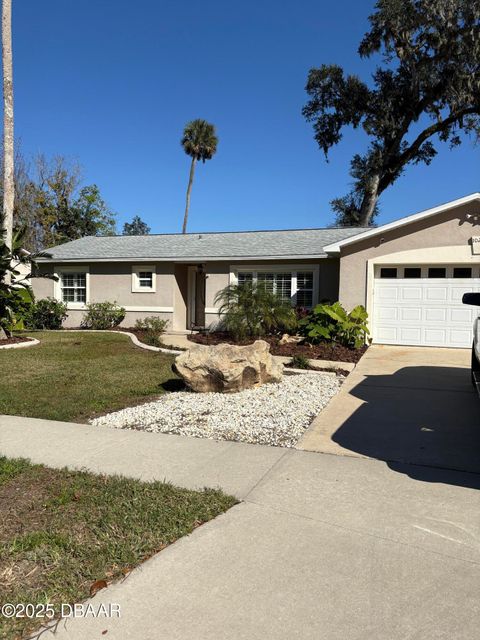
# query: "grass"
[73,376]
[64,530]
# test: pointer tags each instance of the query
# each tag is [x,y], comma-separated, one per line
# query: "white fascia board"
[182,260]
[336,246]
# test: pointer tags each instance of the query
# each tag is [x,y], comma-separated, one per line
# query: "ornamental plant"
[251,311]
[153,328]
[16,295]
[47,313]
[103,315]
[332,323]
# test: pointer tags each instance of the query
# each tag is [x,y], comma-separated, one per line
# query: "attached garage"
[423,305]
[411,275]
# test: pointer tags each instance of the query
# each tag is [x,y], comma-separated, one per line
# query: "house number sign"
[476,245]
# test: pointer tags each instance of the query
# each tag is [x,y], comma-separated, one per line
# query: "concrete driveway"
[404,404]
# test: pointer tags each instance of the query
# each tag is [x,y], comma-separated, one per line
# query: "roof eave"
[309,256]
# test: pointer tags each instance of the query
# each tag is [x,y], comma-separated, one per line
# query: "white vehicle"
[474,299]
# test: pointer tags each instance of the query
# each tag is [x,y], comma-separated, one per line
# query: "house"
[410,274]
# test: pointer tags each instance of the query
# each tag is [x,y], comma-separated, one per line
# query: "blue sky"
[112,83]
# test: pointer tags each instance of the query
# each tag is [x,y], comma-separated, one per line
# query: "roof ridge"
[212,233]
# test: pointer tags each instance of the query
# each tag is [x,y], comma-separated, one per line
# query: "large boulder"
[228,368]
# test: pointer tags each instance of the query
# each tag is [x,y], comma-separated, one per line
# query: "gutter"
[308,256]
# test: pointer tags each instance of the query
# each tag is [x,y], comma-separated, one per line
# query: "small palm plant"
[250,310]
[200,142]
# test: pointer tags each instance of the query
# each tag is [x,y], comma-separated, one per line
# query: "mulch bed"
[13,340]
[322,351]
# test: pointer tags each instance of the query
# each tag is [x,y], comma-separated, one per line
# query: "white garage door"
[424,310]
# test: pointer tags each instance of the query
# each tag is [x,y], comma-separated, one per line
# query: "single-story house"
[410,274]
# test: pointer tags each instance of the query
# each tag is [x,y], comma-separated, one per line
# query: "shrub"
[300,362]
[103,315]
[47,313]
[250,310]
[331,323]
[153,327]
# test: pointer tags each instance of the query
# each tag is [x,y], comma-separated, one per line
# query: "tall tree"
[63,209]
[427,90]
[137,227]
[8,149]
[200,142]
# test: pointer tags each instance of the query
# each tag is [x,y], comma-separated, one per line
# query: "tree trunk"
[369,201]
[8,159]
[189,190]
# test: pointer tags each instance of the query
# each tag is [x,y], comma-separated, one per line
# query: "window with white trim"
[73,287]
[295,287]
[304,289]
[143,279]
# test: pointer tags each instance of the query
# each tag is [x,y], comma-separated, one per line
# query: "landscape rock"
[228,368]
[288,339]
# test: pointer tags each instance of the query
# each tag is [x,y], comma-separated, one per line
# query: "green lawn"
[73,376]
[62,531]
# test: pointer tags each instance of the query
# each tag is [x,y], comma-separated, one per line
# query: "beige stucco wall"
[113,282]
[450,230]
[180,297]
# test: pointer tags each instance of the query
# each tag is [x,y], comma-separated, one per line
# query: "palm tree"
[200,143]
[8,160]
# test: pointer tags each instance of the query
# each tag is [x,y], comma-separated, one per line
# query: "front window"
[278,283]
[305,289]
[145,279]
[292,286]
[74,287]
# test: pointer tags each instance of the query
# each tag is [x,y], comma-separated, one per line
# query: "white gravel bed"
[273,414]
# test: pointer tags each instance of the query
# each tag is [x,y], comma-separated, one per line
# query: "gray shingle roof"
[203,246]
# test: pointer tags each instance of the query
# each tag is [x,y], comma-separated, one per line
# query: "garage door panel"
[434,336]
[411,293]
[388,293]
[423,312]
[411,334]
[460,338]
[436,293]
[410,313]
[388,313]
[387,335]
[462,316]
[435,314]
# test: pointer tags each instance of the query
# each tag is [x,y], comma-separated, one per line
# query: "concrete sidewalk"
[322,547]
[193,463]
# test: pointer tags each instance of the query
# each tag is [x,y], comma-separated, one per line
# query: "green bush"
[331,323]
[47,313]
[300,362]
[249,310]
[103,315]
[153,327]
